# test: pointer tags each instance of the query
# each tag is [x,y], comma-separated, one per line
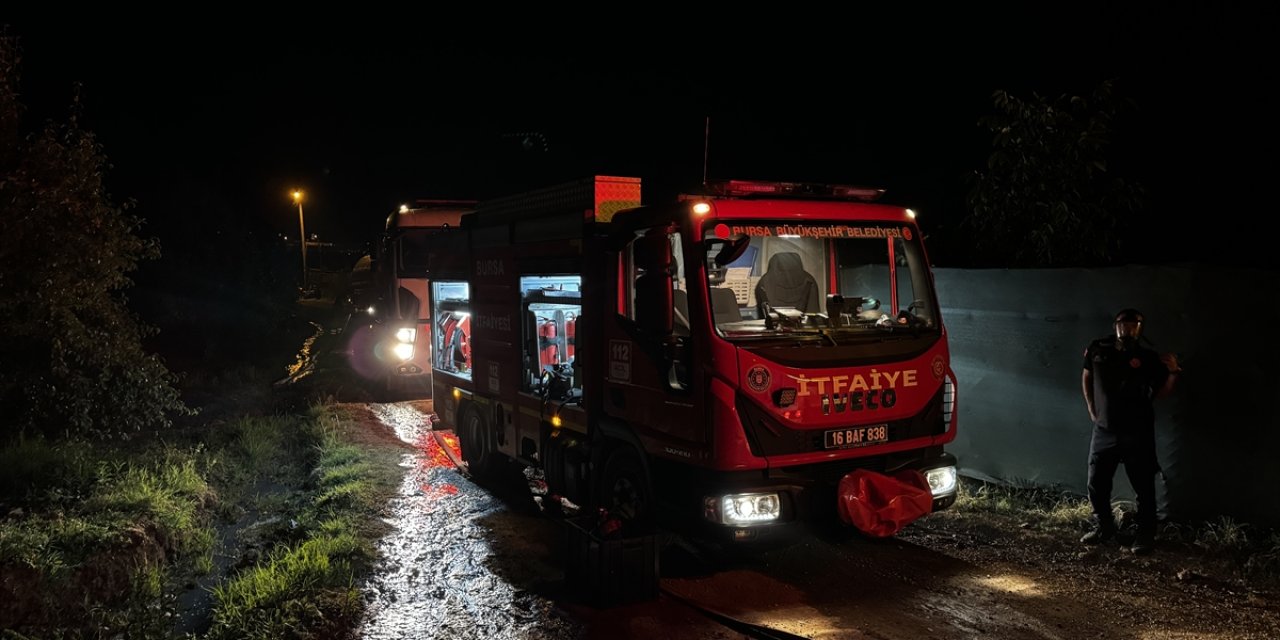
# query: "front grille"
[769,437]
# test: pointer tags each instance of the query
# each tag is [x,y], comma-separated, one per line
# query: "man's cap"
[1129,315]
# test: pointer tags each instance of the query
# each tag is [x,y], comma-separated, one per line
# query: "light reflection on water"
[305,362]
[434,580]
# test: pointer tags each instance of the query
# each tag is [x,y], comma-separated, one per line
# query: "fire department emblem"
[938,367]
[906,233]
[758,379]
[1135,363]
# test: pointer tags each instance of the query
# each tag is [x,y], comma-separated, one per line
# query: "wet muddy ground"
[465,561]
[472,562]
[435,580]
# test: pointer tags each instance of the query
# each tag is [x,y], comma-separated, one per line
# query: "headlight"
[403,351]
[406,334]
[744,508]
[942,481]
[370,310]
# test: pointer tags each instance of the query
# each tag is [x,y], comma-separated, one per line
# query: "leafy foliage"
[72,349]
[1047,198]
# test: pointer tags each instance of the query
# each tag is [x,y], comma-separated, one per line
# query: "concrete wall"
[1017,339]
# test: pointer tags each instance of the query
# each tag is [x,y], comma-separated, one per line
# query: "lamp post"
[302,229]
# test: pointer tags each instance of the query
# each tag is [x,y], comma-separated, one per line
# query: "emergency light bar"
[748,188]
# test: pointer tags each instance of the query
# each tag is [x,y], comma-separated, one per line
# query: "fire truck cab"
[722,360]
[399,348]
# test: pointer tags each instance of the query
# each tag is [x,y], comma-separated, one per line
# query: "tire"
[561,467]
[473,439]
[624,488]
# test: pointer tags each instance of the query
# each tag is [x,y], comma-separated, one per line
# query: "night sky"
[221,120]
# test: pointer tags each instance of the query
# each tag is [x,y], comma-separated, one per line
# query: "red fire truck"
[398,346]
[725,359]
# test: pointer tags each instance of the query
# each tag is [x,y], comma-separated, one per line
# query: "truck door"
[648,368]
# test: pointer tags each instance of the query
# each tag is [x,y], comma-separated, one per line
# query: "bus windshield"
[413,250]
[839,279]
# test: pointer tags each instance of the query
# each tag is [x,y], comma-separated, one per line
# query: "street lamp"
[302,228]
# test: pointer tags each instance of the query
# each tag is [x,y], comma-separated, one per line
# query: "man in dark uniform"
[1121,379]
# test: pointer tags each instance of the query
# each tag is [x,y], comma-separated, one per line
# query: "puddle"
[304,363]
[408,423]
[433,580]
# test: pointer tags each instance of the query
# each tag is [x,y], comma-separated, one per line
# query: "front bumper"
[807,493]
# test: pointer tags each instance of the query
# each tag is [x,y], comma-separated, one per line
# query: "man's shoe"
[1143,545]
[1099,535]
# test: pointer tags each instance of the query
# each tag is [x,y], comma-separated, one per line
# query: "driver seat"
[787,284]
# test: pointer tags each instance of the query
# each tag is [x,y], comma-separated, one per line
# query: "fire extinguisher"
[570,330]
[548,350]
[464,340]
[449,327]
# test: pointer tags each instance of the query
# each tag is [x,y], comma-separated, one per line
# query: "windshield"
[413,251]
[835,279]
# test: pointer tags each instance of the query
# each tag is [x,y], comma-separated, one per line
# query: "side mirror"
[655,303]
[652,251]
[730,250]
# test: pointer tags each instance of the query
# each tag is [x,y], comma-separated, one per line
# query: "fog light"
[942,481]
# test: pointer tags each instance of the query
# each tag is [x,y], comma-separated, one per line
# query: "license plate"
[855,436]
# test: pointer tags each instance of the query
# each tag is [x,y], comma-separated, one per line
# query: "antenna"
[706,145]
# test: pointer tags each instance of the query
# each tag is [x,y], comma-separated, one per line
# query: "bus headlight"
[404,351]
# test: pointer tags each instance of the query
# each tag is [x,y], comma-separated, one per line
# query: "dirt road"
[472,562]
[465,561]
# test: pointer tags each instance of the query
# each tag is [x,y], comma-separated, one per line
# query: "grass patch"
[170,498]
[259,440]
[35,470]
[50,545]
[248,454]
[305,586]
[1049,506]
[1249,552]
[97,532]
[305,589]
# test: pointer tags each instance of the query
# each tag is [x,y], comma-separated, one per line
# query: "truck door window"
[914,285]
[648,274]
[639,265]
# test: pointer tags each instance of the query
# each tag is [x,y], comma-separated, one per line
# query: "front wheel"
[623,488]
[473,439]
